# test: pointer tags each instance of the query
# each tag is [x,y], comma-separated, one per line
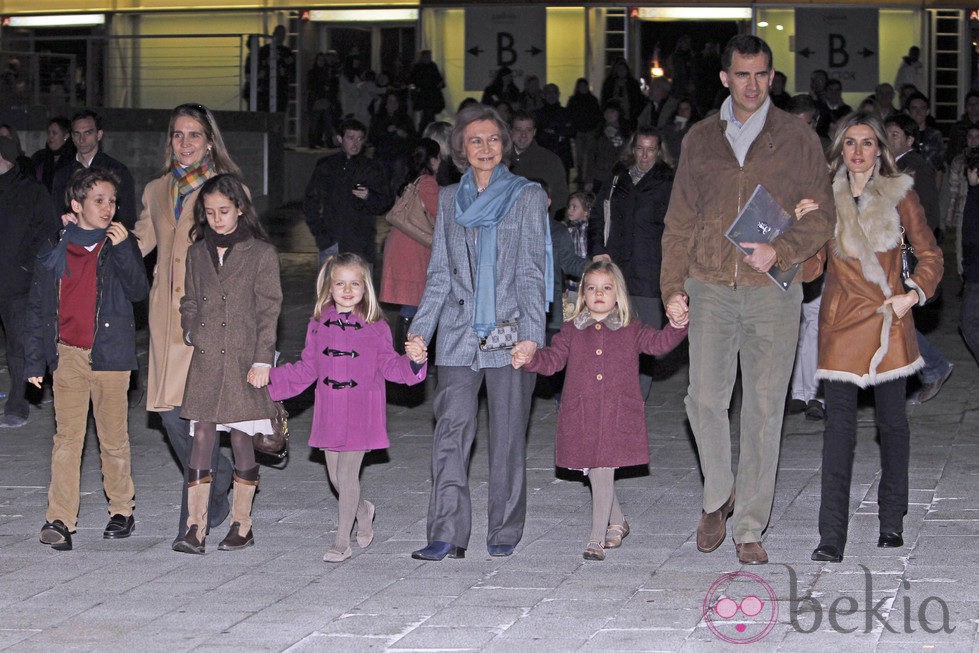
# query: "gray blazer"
[448,298]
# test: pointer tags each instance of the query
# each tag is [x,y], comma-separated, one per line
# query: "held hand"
[602,257]
[526,349]
[68,217]
[677,310]
[416,350]
[258,377]
[117,233]
[518,359]
[901,304]
[35,381]
[805,206]
[762,257]
[360,192]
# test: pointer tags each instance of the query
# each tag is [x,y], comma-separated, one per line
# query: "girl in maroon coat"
[348,355]
[602,420]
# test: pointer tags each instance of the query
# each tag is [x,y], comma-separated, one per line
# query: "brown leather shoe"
[751,553]
[234,540]
[713,527]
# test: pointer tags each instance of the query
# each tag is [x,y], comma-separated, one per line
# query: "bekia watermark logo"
[742,608]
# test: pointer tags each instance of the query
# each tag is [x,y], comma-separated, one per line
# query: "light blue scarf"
[485,211]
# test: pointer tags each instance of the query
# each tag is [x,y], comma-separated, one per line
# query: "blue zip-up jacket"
[121,280]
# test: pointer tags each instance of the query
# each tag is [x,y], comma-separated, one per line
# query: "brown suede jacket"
[710,188]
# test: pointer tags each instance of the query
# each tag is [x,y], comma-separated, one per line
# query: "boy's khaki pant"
[74,385]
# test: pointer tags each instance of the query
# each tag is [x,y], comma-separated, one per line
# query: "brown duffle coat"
[229,316]
[156,228]
[861,341]
[602,419]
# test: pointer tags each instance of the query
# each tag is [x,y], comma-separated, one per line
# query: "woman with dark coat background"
[626,227]
[58,152]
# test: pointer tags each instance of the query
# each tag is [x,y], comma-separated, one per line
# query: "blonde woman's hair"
[368,308]
[622,306]
[888,166]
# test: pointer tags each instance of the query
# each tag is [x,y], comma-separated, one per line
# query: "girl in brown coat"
[228,315]
[194,153]
[866,330]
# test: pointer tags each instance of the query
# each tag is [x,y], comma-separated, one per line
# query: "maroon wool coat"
[602,419]
[346,418]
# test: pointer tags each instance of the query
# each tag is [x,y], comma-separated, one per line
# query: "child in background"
[80,326]
[576,217]
[228,314]
[602,419]
[348,355]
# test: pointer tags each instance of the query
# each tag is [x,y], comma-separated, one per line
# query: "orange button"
[598,352]
[599,377]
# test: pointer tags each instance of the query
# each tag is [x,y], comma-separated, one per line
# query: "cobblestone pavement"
[136,594]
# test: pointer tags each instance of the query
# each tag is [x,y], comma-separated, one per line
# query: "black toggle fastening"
[343,325]
[339,352]
[340,385]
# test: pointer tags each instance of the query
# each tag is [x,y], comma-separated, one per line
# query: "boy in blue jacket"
[80,325]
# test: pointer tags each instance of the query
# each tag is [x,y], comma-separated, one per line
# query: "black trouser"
[178,432]
[12,310]
[839,440]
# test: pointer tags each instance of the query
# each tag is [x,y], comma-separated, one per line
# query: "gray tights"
[343,468]
[605,509]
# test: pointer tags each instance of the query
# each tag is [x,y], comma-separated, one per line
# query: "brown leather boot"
[240,535]
[713,526]
[198,495]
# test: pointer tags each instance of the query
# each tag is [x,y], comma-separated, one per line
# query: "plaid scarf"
[187,180]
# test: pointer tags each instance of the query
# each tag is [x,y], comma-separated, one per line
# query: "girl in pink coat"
[602,420]
[348,354]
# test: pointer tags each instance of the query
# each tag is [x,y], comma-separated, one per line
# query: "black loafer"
[119,527]
[56,535]
[437,550]
[500,550]
[890,541]
[827,553]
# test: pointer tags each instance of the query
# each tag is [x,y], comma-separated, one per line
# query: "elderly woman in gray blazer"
[487,285]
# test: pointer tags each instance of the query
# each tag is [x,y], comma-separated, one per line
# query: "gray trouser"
[760,326]
[649,310]
[508,392]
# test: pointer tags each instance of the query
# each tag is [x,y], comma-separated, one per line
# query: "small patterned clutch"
[503,336]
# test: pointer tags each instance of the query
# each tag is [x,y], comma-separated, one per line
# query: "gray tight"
[205,435]
[605,509]
[343,468]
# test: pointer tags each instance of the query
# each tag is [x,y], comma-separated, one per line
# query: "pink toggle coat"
[346,418]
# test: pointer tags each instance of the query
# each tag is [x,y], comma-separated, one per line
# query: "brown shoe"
[235,540]
[713,526]
[751,553]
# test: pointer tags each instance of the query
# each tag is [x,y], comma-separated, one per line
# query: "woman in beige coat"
[194,152]
[866,330]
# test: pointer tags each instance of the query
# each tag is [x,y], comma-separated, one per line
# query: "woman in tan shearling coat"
[866,330]
[194,152]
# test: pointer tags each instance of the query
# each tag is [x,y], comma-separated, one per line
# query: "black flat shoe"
[56,535]
[890,541]
[437,550]
[119,527]
[827,553]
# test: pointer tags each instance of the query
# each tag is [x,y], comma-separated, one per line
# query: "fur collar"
[873,226]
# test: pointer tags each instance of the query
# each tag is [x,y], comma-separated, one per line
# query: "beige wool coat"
[156,228]
[229,315]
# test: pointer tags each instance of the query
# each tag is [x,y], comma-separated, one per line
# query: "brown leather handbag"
[276,443]
[410,216]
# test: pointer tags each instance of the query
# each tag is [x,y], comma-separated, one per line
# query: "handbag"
[276,443]
[409,216]
[502,337]
[908,260]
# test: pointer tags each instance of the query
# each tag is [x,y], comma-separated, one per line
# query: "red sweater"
[76,312]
